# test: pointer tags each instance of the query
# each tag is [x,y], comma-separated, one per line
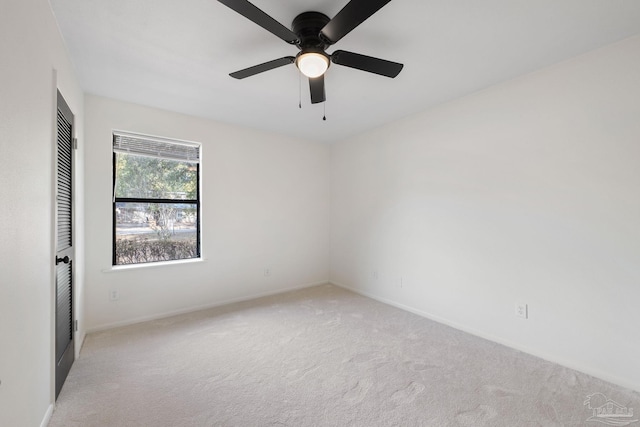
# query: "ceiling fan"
[313,33]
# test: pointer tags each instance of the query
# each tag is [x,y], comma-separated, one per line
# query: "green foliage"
[149,177]
[153,178]
[140,250]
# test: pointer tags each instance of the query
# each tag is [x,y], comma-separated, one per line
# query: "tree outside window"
[156,201]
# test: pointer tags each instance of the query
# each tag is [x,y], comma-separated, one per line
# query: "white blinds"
[151,146]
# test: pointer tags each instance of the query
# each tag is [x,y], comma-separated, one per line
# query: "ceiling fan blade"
[317,89]
[251,12]
[261,68]
[352,15]
[366,63]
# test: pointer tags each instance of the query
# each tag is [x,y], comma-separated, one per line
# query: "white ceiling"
[176,55]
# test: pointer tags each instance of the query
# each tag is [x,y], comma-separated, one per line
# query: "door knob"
[64,260]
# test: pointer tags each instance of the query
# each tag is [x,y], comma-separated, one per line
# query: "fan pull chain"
[324,105]
[299,90]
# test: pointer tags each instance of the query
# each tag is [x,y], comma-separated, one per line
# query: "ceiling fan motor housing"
[307,26]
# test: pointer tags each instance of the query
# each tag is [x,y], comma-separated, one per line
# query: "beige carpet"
[321,356]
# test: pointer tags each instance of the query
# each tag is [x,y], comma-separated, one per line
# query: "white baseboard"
[201,307]
[47,416]
[507,343]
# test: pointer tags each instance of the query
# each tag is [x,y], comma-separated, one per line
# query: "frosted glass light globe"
[312,64]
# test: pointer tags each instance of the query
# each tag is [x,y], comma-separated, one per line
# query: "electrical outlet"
[522,310]
[267,271]
[114,295]
[375,274]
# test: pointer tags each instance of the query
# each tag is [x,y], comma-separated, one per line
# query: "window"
[156,199]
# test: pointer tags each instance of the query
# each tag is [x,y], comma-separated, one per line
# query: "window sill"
[161,264]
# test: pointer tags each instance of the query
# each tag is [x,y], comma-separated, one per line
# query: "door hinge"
[75,325]
[75,143]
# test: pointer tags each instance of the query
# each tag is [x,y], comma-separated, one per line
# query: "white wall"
[34,62]
[527,191]
[264,204]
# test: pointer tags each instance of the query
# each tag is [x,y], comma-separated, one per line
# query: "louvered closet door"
[64,245]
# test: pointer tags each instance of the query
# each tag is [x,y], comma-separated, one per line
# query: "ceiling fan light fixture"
[312,64]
